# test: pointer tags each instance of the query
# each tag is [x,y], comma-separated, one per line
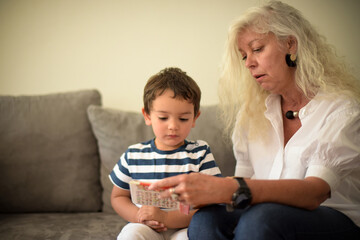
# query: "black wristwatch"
[241,199]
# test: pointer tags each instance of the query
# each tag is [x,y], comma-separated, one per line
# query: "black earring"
[290,60]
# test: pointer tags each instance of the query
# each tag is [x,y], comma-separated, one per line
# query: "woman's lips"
[257,76]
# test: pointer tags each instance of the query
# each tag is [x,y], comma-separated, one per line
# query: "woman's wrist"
[228,187]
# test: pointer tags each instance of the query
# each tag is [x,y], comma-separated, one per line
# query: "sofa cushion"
[48,154]
[60,226]
[210,129]
[116,130]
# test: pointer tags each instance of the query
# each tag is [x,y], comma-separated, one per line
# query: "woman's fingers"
[167,183]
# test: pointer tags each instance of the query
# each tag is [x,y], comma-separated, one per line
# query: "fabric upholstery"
[51,179]
[60,226]
[48,154]
[115,130]
[210,129]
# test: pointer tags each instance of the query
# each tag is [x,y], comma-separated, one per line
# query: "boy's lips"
[172,135]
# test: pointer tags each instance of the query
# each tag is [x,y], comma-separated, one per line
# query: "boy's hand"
[153,217]
[155,225]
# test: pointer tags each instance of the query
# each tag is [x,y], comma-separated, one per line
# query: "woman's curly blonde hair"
[318,67]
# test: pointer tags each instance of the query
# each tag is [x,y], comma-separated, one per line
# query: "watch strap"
[241,198]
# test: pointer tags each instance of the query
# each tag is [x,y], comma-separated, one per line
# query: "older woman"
[293,111]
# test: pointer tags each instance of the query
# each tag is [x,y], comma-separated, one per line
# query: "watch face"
[241,201]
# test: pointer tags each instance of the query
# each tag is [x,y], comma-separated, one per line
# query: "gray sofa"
[56,152]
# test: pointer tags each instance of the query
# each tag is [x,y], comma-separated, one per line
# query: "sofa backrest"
[49,156]
[116,130]
[49,159]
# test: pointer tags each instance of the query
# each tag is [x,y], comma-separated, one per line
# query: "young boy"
[171,107]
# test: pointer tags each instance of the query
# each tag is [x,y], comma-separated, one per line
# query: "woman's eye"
[244,58]
[257,49]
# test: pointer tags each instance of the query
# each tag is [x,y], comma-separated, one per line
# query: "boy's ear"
[146,117]
[195,118]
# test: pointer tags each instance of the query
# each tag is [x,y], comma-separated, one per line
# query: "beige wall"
[116,45]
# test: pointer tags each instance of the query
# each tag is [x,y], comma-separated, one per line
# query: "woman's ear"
[195,118]
[292,44]
[146,117]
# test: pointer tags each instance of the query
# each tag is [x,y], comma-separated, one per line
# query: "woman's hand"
[197,189]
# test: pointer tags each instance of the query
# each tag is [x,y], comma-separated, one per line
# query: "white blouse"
[326,146]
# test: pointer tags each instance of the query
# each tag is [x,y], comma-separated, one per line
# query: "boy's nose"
[173,125]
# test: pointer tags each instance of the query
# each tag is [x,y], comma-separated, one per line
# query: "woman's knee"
[203,220]
[262,221]
[213,222]
[276,221]
[263,213]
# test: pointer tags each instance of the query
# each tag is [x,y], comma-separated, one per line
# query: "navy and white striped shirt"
[144,162]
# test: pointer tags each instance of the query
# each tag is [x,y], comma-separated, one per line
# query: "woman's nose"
[250,61]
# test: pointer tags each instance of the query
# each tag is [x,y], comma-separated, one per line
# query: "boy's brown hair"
[175,80]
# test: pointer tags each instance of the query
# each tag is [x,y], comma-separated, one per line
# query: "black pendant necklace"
[291,114]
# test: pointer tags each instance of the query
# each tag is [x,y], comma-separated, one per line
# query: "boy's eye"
[184,119]
[163,118]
